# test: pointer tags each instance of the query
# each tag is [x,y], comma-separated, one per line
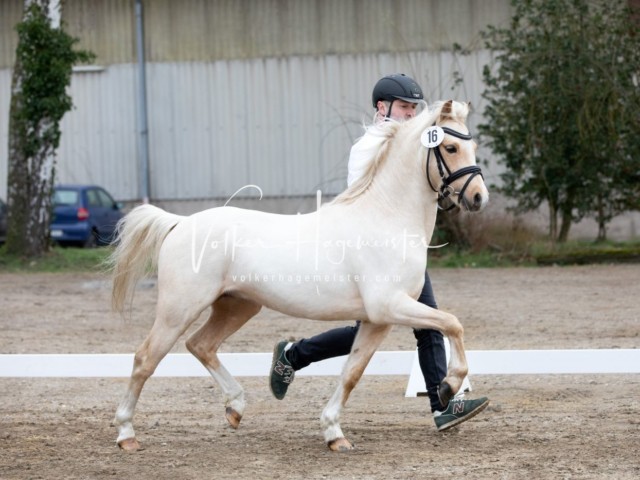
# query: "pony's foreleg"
[365,344]
[227,316]
[163,335]
[407,311]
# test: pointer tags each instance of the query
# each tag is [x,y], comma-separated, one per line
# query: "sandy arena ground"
[537,426]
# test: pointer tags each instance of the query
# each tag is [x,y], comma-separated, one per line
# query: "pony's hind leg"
[227,316]
[169,324]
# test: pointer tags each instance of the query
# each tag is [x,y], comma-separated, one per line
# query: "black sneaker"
[459,411]
[282,372]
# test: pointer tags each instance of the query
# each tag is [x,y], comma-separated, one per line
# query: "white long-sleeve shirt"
[362,152]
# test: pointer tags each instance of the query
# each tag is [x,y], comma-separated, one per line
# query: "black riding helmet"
[396,87]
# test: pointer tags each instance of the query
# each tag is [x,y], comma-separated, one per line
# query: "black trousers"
[338,342]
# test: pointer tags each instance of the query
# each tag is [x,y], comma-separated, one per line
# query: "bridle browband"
[446,189]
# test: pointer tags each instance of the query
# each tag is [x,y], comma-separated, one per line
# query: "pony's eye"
[451,149]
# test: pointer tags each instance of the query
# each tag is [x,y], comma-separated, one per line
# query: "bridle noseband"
[446,189]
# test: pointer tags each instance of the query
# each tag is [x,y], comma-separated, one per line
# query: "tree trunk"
[565,226]
[566,211]
[602,221]
[30,172]
[553,221]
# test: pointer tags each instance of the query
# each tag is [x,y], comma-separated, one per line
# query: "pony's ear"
[446,109]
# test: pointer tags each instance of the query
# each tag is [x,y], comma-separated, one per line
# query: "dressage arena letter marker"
[416,385]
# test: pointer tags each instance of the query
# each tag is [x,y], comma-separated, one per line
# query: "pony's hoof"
[129,445]
[233,417]
[340,445]
[445,393]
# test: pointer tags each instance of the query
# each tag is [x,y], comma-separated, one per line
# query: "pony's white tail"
[139,237]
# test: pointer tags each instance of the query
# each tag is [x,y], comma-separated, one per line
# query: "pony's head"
[449,161]
[446,155]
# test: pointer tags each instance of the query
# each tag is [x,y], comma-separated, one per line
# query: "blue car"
[84,215]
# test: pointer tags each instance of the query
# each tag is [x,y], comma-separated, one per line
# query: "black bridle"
[447,176]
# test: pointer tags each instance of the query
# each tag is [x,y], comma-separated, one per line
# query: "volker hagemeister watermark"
[314,278]
[333,250]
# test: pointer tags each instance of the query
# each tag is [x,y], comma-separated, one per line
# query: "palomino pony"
[359,257]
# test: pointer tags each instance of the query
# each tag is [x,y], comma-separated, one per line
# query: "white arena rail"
[481,362]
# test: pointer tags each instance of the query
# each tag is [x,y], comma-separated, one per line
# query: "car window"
[105,199]
[93,199]
[65,197]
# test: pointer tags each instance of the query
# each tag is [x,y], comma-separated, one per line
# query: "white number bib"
[432,137]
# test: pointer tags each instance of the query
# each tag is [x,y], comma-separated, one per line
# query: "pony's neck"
[400,192]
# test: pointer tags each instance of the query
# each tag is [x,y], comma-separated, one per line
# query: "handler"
[395,97]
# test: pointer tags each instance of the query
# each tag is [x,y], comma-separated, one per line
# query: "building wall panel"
[215,30]
[10,15]
[269,92]
[285,124]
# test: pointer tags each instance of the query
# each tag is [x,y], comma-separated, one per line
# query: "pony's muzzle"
[475,201]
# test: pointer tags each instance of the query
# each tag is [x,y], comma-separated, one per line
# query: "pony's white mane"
[389,131]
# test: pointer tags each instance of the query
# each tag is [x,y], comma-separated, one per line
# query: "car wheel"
[91,241]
